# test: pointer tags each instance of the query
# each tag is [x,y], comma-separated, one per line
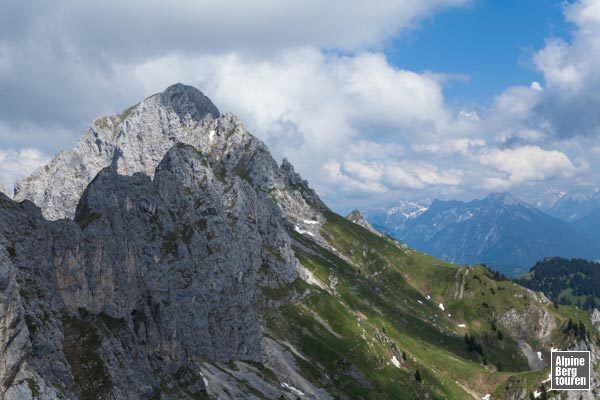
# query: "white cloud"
[85,50]
[350,122]
[15,164]
[522,135]
[363,171]
[516,102]
[336,175]
[431,175]
[554,61]
[536,86]
[526,164]
[389,175]
[398,178]
[145,28]
[469,115]
[314,108]
[572,78]
[460,146]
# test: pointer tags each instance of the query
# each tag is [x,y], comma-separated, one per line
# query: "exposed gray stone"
[178,238]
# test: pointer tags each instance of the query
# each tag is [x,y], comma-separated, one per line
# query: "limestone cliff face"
[136,140]
[177,243]
[14,336]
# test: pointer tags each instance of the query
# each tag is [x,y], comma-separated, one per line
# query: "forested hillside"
[574,281]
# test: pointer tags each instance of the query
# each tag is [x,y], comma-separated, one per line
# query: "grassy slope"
[348,335]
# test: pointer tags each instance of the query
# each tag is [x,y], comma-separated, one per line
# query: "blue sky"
[371,101]
[491,42]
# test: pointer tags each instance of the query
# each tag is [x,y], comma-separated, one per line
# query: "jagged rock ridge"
[173,251]
[135,141]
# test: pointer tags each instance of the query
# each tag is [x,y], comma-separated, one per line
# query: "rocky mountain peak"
[356,217]
[504,198]
[179,263]
[186,100]
[137,139]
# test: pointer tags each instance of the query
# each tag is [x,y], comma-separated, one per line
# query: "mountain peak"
[503,198]
[135,141]
[187,100]
[356,217]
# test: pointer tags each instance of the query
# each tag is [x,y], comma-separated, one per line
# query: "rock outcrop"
[356,217]
[14,336]
[530,322]
[177,242]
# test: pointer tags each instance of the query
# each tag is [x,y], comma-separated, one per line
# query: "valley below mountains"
[169,256]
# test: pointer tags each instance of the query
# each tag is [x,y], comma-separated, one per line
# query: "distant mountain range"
[502,231]
[568,206]
[590,224]
[391,220]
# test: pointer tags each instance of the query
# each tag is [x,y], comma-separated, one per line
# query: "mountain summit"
[356,217]
[134,140]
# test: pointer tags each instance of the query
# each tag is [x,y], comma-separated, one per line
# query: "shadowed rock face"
[174,266]
[178,237]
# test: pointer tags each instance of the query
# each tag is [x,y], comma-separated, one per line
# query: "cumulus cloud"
[570,69]
[460,146]
[52,53]
[70,61]
[329,98]
[16,163]
[526,164]
[536,86]
[320,91]
[348,182]
[391,175]
[520,136]
[314,107]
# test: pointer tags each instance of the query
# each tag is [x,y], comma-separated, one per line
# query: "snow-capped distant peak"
[409,209]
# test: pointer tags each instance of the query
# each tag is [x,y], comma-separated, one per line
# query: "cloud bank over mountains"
[312,80]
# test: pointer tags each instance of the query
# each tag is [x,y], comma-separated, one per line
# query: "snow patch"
[310,222]
[395,362]
[419,301]
[211,135]
[487,397]
[303,231]
[292,389]
[537,395]
[428,297]
[441,306]
[539,354]
[462,326]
